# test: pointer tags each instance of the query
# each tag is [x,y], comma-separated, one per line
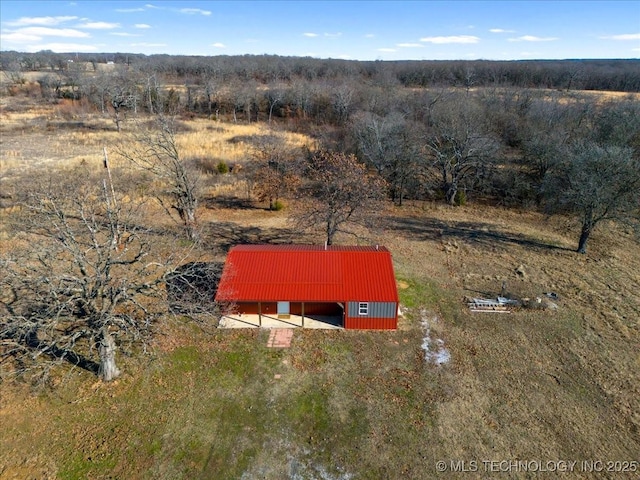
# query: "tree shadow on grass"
[225,235]
[477,233]
[74,359]
[229,202]
[53,352]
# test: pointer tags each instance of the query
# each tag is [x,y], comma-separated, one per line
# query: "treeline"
[608,74]
[304,90]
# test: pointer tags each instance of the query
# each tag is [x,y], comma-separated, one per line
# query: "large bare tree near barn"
[78,286]
[90,279]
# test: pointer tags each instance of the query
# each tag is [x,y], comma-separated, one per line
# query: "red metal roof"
[307,273]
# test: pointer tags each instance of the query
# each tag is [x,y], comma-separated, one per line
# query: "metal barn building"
[354,283]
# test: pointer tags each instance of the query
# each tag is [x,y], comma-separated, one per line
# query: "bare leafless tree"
[274,96]
[80,282]
[90,278]
[459,149]
[156,150]
[596,184]
[343,99]
[273,169]
[390,145]
[120,99]
[337,192]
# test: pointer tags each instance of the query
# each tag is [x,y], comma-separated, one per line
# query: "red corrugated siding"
[364,323]
[299,273]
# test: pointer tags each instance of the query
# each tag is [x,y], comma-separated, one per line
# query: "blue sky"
[355,30]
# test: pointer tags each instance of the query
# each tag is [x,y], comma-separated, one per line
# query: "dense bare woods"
[605,74]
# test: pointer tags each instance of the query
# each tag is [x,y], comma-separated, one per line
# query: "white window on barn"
[363,308]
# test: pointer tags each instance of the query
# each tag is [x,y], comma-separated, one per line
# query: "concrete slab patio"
[272,321]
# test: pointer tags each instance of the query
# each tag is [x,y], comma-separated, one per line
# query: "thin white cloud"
[52,32]
[62,47]
[149,5]
[125,34]
[533,38]
[333,35]
[142,25]
[195,11]
[99,25]
[369,35]
[387,50]
[626,36]
[501,30]
[129,10]
[451,39]
[309,34]
[409,45]
[18,37]
[43,21]
[218,45]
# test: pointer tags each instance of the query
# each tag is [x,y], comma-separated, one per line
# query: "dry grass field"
[535,385]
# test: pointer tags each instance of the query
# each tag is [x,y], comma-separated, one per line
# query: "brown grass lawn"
[533,385]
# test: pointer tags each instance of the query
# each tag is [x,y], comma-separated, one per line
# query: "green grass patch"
[427,294]
[81,466]
[185,359]
[308,411]
[417,294]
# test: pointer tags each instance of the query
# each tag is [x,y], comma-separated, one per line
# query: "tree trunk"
[330,233]
[587,228]
[450,193]
[107,349]
[150,100]
[584,237]
[116,119]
